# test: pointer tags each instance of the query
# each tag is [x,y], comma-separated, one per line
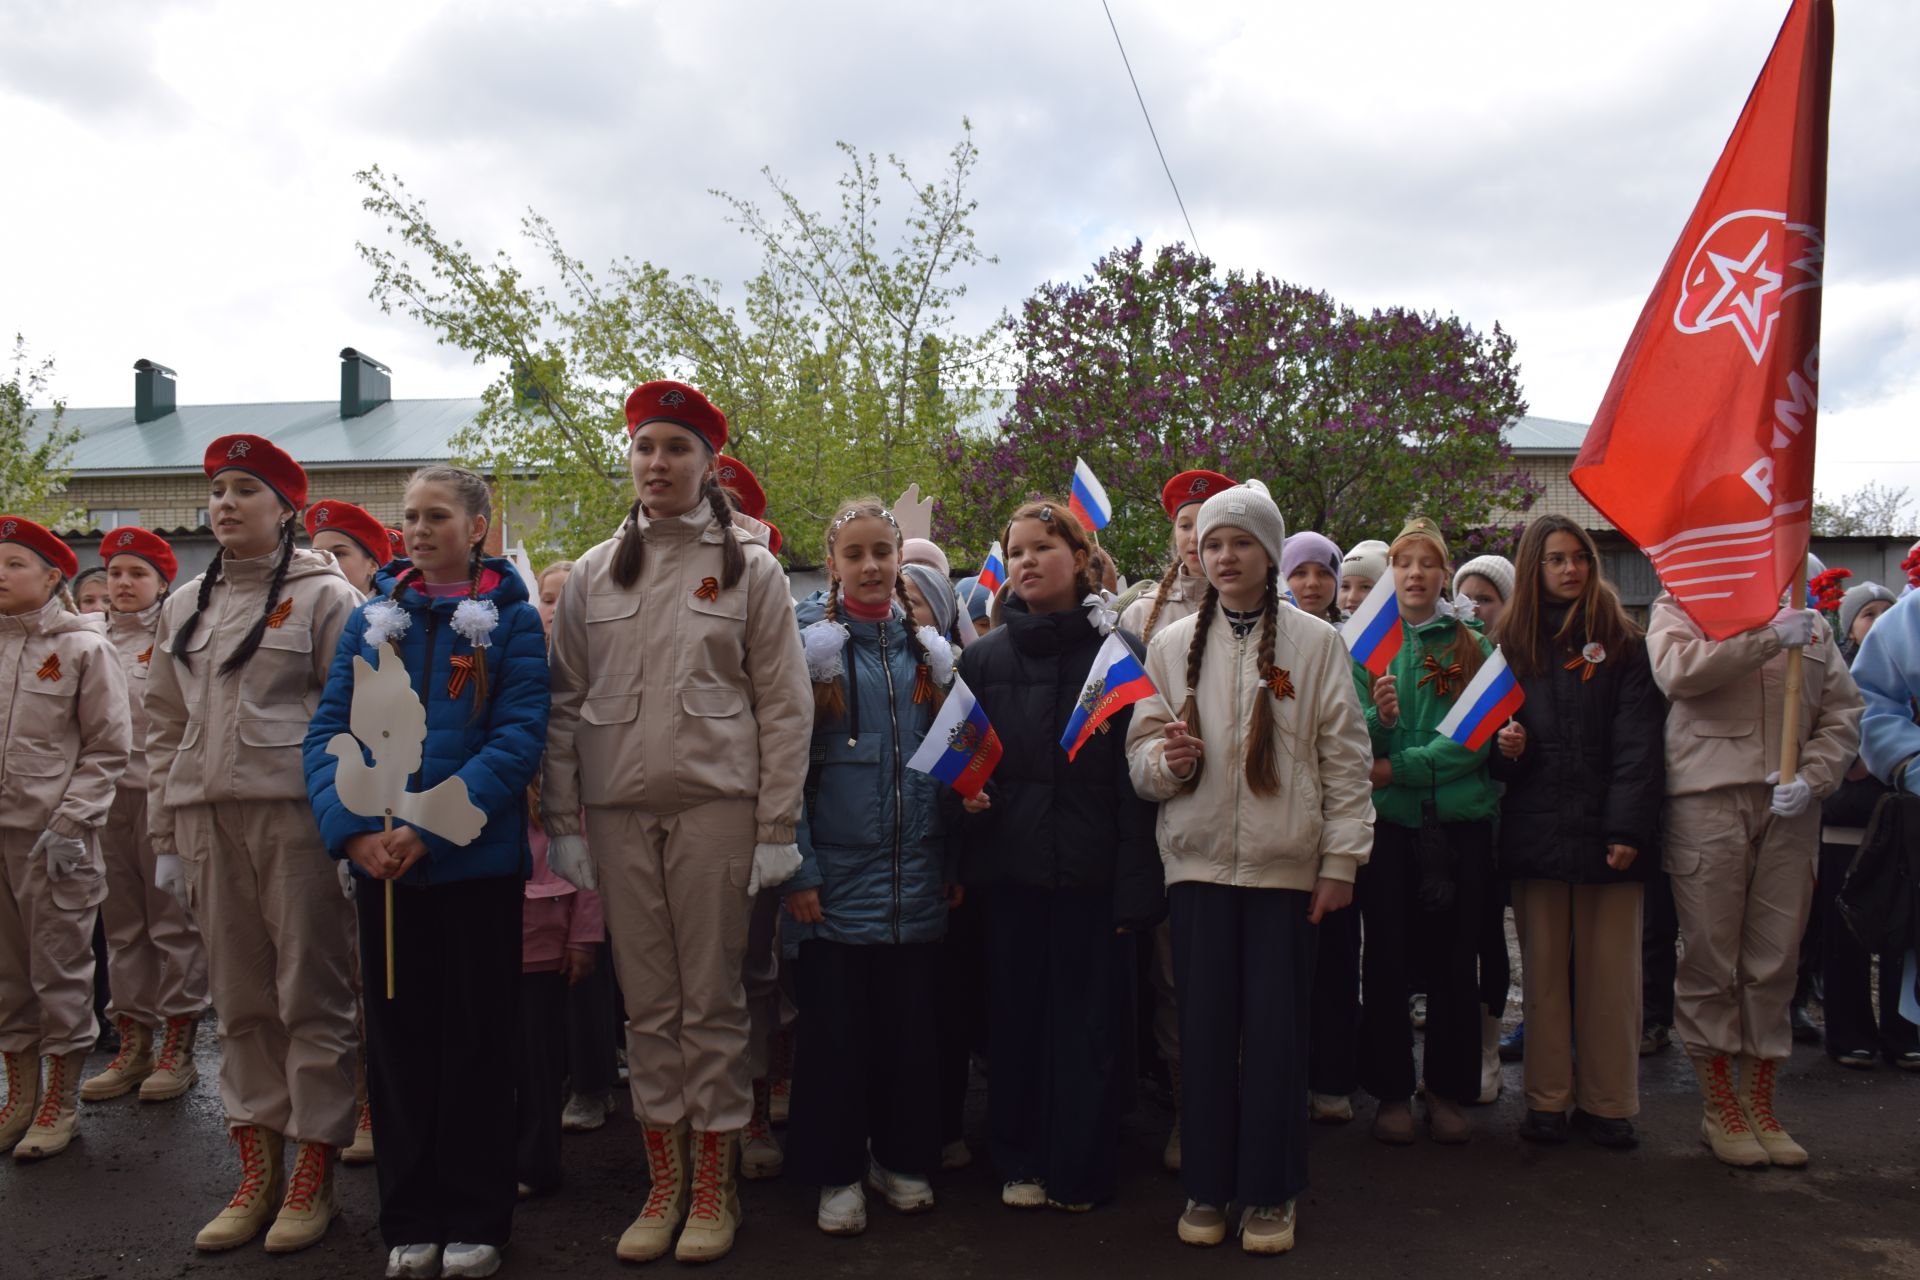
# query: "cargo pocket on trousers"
[79,890]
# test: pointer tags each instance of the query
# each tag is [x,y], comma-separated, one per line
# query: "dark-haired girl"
[439,1081]
[1586,776]
[239,662]
[681,715]
[1266,813]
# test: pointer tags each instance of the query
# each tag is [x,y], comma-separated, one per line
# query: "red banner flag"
[1702,451]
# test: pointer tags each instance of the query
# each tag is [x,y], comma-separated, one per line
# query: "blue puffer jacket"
[870,837]
[497,753]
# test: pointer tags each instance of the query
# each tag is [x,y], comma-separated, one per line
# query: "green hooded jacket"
[1425,764]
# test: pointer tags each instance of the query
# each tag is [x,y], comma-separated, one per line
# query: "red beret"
[39,539]
[678,403]
[735,475]
[344,517]
[264,460]
[774,540]
[1191,486]
[149,546]
[396,544]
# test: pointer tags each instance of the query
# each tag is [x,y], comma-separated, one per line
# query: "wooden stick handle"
[388,828]
[1790,709]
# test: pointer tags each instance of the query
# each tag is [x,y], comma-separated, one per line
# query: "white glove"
[344,870]
[170,876]
[567,857]
[1794,627]
[65,854]
[1791,799]
[773,866]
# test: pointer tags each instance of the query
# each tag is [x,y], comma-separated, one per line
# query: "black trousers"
[540,1083]
[591,1021]
[962,1012]
[1243,964]
[1333,1047]
[1409,947]
[1060,1038]
[1659,950]
[441,1087]
[865,1072]
[1846,965]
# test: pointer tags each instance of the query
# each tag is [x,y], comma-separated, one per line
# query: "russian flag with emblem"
[1116,681]
[961,748]
[1089,498]
[994,571]
[1374,634]
[1489,701]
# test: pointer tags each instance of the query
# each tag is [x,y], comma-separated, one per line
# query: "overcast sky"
[181,182]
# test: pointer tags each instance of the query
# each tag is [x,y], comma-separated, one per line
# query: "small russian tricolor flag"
[1374,634]
[994,571]
[961,748]
[1089,498]
[1115,682]
[1488,701]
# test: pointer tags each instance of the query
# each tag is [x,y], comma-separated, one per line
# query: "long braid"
[632,551]
[1196,652]
[924,689]
[475,563]
[1160,594]
[733,561]
[829,698]
[251,641]
[192,624]
[1263,775]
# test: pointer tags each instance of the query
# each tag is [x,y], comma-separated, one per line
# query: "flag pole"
[387,827]
[1790,713]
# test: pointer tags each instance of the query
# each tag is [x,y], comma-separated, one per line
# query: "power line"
[1151,132]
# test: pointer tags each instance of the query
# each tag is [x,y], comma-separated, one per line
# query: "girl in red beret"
[156,962]
[681,717]
[63,702]
[357,542]
[241,657]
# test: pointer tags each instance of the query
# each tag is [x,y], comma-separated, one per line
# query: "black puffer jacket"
[1594,770]
[1054,824]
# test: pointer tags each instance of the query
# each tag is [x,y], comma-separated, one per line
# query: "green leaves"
[34,451]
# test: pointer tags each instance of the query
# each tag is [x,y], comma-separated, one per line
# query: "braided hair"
[630,555]
[1261,765]
[1160,594]
[924,689]
[250,643]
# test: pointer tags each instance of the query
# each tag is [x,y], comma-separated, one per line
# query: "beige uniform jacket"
[133,637]
[676,691]
[1182,601]
[213,737]
[1320,822]
[1724,728]
[63,713]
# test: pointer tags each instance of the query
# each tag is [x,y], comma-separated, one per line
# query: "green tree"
[35,444]
[1873,510]
[843,369]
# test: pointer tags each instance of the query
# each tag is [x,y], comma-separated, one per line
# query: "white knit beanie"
[1245,506]
[1367,560]
[1495,569]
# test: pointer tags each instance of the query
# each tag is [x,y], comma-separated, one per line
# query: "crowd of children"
[375,799]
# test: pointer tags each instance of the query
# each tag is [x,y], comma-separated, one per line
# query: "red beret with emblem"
[344,517]
[146,544]
[735,475]
[264,460]
[1191,486]
[678,403]
[774,540]
[40,540]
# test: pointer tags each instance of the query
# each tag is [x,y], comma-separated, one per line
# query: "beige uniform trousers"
[46,950]
[1742,887]
[1595,928]
[156,963]
[279,952]
[675,891]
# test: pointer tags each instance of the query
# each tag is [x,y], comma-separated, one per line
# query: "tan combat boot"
[760,1155]
[173,1069]
[1723,1125]
[1756,1100]
[22,1076]
[713,1210]
[252,1203]
[54,1123]
[310,1204]
[129,1067]
[651,1234]
[361,1152]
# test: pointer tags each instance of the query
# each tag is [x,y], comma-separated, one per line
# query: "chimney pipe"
[153,386]
[365,383]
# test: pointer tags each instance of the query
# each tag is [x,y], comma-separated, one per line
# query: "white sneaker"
[956,1154]
[1267,1228]
[843,1210]
[1329,1108]
[1026,1194]
[470,1260]
[585,1112]
[413,1260]
[904,1192]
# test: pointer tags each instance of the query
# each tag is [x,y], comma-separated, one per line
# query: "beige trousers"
[156,963]
[674,887]
[46,950]
[279,953]
[1595,929]
[1742,887]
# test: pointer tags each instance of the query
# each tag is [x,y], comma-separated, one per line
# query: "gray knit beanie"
[1495,569]
[1366,560]
[1245,506]
[1856,599]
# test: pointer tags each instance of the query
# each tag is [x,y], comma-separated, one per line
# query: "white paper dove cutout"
[387,717]
[913,513]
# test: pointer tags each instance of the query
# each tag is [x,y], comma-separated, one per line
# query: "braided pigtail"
[632,551]
[1263,775]
[733,561]
[192,624]
[251,642]
[924,689]
[1196,651]
[1160,600]
[829,697]
[67,601]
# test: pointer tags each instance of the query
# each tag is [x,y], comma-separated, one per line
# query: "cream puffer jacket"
[63,705]
[1320,822]
[214,738]
[677,691]
[133,636]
